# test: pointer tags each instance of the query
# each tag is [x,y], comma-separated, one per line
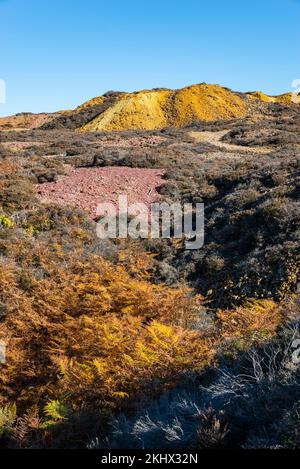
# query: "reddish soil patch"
[124,142]
[85,188]
[25,121]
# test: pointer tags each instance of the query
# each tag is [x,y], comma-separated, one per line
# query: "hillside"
[25,120]
[286,98]
[108,338]
[156,109]
[152,110]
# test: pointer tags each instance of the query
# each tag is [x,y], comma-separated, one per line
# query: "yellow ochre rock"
[91,102]
[286,98]
[159,108]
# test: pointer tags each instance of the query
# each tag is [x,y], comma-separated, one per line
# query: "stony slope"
[156,109]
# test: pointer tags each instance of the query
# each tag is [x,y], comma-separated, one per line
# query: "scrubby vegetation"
[142,343]
[249,403]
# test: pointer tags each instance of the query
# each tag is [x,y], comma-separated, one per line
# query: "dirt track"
[215,138]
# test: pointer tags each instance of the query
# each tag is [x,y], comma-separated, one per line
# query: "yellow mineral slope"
[286,98]
[142,110]
[156,109]
[92,102]
[207,103]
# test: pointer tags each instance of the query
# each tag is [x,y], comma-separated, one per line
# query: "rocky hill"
[156,109]
[152,110]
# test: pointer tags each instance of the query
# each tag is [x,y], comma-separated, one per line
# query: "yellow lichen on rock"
[156,109]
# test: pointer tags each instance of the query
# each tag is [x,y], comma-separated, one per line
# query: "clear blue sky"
[55,54]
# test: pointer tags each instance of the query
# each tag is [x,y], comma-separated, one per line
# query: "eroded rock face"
[86,188]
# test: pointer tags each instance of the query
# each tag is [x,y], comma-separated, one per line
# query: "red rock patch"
[86,188]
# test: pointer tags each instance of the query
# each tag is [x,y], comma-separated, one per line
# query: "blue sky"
[55,54]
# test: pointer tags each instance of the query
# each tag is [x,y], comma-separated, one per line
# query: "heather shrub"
[15,194]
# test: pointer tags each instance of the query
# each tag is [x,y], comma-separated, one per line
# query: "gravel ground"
[86,188]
